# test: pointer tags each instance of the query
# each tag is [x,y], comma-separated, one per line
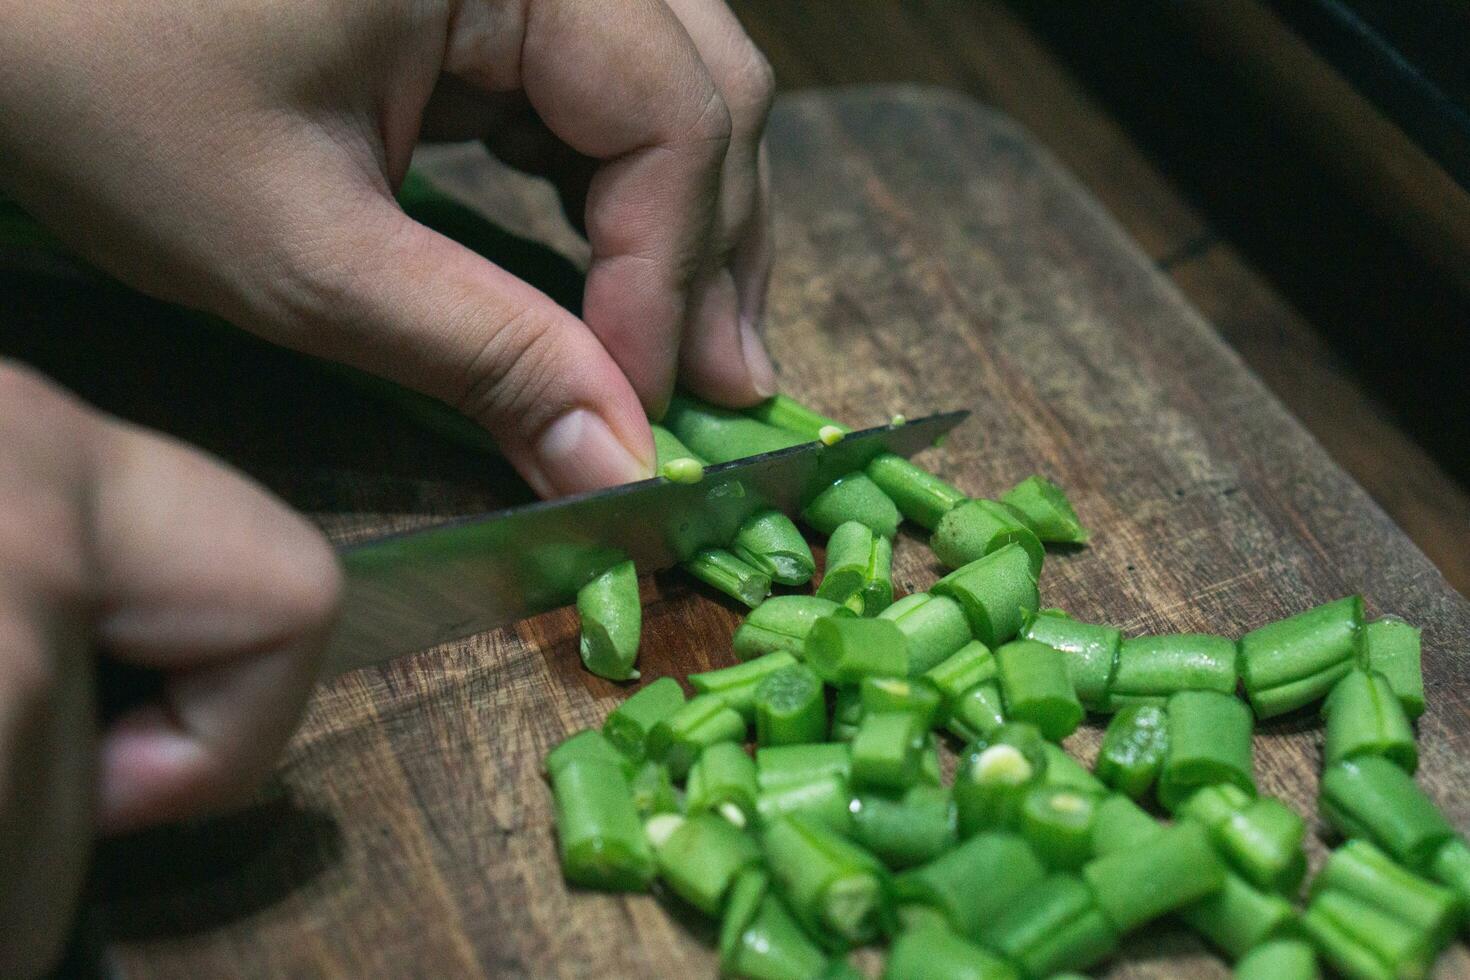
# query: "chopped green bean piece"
[685,469]
[721,570]
[1150,668]
[653,790]
[997,593]
[1054,925]
[1295,661]
[993,776]
[701,858]
[1279,959]
[1132,749]
[1065,772]
[1261,838]
[771,946]
[1365,717]
[1092,652]
[1373,799]
[722,780]
[628,725]
[847,712]
[785,412]
[1121,825]
[977,528]
[736,685]
[826,799]
[859,569]
[973,883]
[844,651]
[1057,822]
[931,769]
[770,542]
[936,628]
[741,905]
[702,721]
[587,744]
[1046,510]
[956,674]
[929,953]
[919,495]
[1360,940]
[907,830]
[1239,916]
[612,619]
[853,497]
[599,835]
[915,695]
[667,446]
[978,714]
[720,435]
[830,435]
[886,750]
[783,765]
[1391,647]
[782,623]
[1359,869]
[1450,866]
[1176,868]
[835,888]
[790,708]
[1034,682]
[1209,742]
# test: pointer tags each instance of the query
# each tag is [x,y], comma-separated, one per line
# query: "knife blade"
[413,590]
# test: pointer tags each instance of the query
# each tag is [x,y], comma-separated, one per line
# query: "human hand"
[240,157]
[125,544]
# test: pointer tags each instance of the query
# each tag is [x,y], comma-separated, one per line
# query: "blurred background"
[1300,169]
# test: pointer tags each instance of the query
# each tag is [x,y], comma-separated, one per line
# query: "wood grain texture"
[930,257]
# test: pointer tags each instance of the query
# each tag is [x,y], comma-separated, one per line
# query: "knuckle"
[510,371]
[712,124]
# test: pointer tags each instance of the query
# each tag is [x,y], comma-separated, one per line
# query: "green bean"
[886,750]
[1176,868]
[701,722]
[997,593]
[720,435]
[1057,822]
[587,744]
[1054,925]
[1361,870]
[826,799]
[721,570]
[834,888]
[771,946]
[977,528]
[785,412]
[1292,663]
[790,708]
[653,790]
[769,541]
[1120,825]
[917,696]
[1373,799]
[907,830]
[853,497]
[1365,717]
[1261,838]
[599,835]
[1239,916]
[782,623]
[993,776]
[931,769]
[859,570]
[722,780]
[1065,772]
[1391,647]
[742,903]
[628,725]
[936,628]
[612,619]
[1092,652]
[1279,959]
[1359,940]
[956,674]
[938,954]
[973,883]
[844,651]
[676,462]
[1036,688]
[1150,668]
[736,685]
[783,765]
[1132,749]
[919,495]
[1209,742]
[847,712]
[701,858]
[978,714]
[1045,509]
[1450,866]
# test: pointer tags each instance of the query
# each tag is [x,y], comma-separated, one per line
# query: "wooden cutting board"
[930,256]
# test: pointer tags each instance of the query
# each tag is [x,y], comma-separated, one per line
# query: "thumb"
[400,300]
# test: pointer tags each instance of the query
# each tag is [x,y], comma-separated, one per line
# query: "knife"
[413,590]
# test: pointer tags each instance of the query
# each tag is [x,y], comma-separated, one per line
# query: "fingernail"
[757,361]
[579,452]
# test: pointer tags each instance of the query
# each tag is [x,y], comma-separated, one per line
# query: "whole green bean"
[790,708]
[935,626]
[722,780]
[1361,870]
[1150,668]
[612,619]
[1295,661]
[844,651]
[834,888]
[907,830]
[1092,653]
[1279,959]
[977,528]
[997,593]
[930,953]
[973,883]
[628,725]
[769,541]
[599,835]
[1373,799]
[887,750]
[1209,742]
[1360,940]
[736,685]
[720,435]
[701,858]
[1391,647]
[1045,509]
[782,623]
[859,569]
[702,721]
[1056,924]
[1036,688]
[1176,868]
[721,570]
[1365,717]
[915,695]
[1132,749]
